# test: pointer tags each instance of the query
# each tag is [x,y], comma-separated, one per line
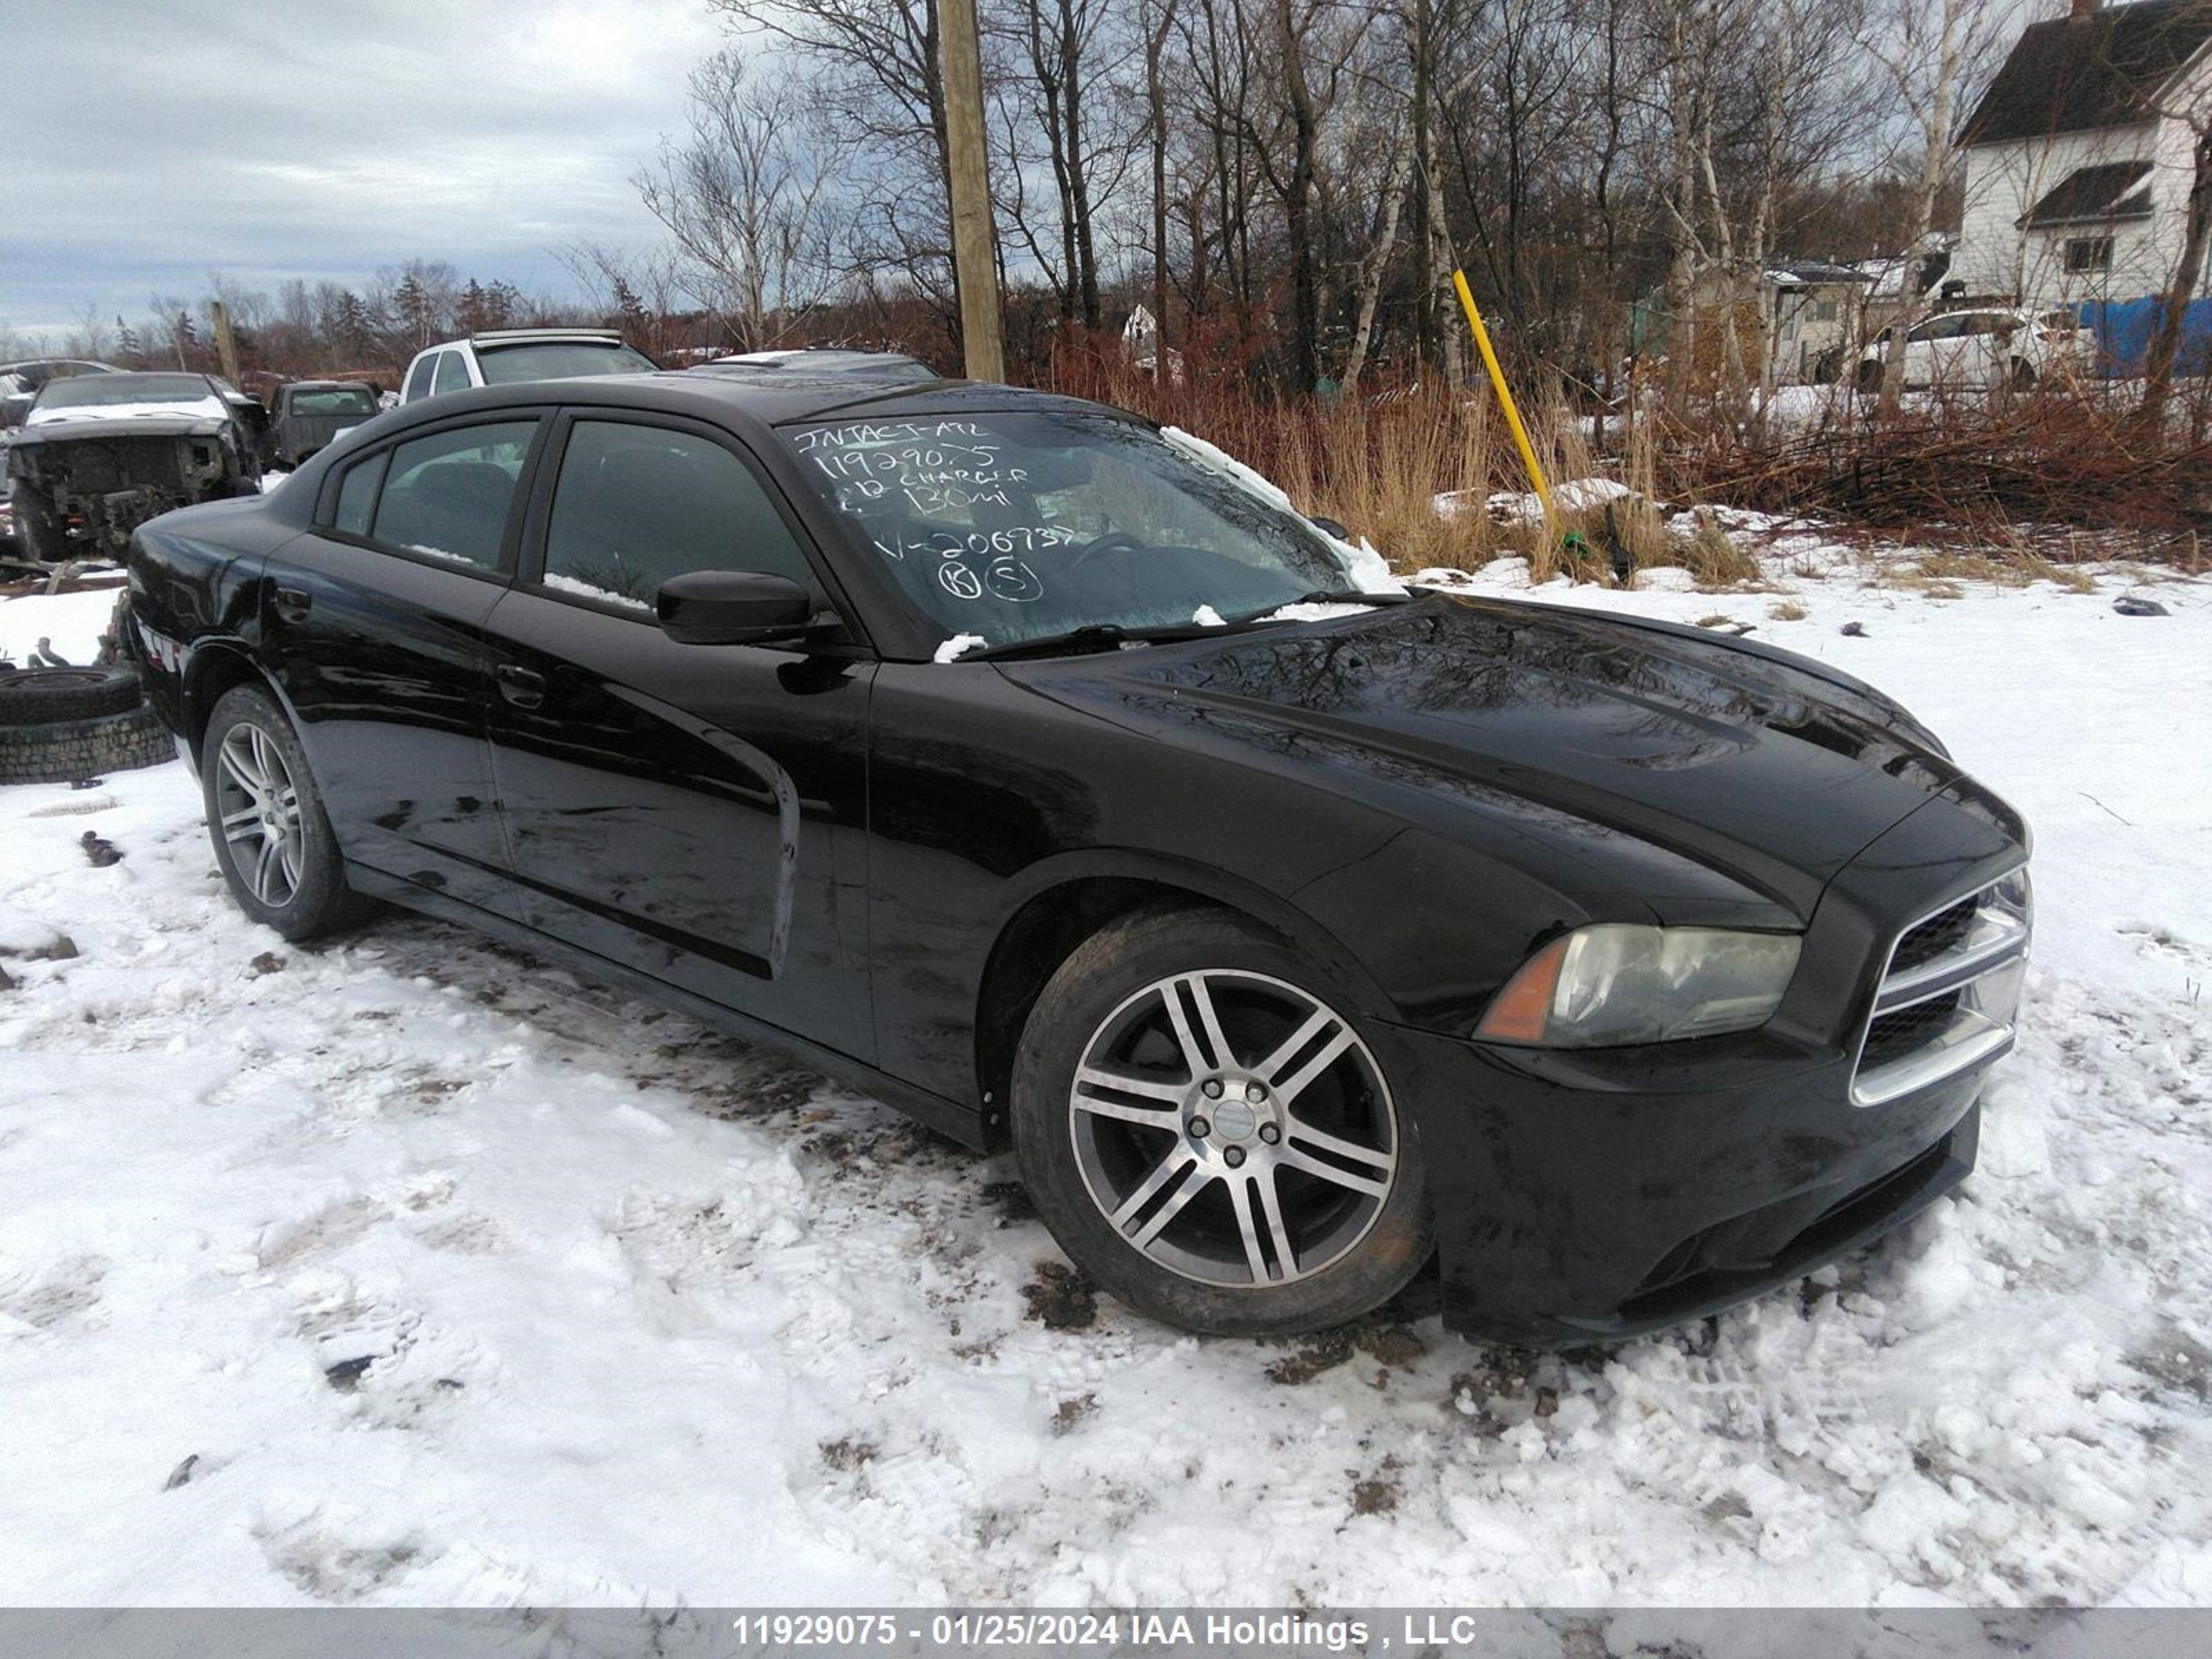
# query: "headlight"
[1604,986]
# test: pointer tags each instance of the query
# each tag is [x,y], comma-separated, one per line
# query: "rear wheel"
[1209,1137]
[272,840]
[1869,379]
[2023,375]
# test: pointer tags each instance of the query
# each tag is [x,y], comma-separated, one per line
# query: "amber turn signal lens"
[1523,1009]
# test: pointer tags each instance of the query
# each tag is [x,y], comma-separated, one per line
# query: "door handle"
[292,604]
[523,687]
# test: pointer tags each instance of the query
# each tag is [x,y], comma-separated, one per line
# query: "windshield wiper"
[1348,596]
[1095,636]
[1100,636]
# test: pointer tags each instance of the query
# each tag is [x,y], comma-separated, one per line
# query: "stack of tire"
[64,724]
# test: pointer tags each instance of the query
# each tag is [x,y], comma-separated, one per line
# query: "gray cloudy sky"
[149,142]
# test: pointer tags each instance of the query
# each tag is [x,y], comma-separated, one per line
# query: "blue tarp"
[2123,328]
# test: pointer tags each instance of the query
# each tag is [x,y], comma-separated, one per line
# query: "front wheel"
[39,528]
[272,840]
[1209,1137]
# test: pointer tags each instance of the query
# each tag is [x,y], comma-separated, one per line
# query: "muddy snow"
[410,1270]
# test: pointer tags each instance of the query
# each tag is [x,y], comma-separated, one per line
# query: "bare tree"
[878,83]
[1928,49]
[747,198]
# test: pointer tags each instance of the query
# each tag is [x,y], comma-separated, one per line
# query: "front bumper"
[1568,1212]
[1592,1195]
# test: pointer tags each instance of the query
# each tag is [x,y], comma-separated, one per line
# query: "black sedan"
[1034,770]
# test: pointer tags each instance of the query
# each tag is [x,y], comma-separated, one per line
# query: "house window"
[2088,254]
[1824,311]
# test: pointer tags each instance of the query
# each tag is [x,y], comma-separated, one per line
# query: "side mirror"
[732,607]
[1332,527]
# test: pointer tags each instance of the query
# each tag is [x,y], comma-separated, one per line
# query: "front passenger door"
[694,812]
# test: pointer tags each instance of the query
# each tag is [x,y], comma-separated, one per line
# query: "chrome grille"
[1949,991]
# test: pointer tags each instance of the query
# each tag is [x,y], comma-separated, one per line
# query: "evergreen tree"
[411,312]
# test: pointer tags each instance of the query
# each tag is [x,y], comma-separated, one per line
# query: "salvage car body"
[306,414]
[87,467]
[874,858]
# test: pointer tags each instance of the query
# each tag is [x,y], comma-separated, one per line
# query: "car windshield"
[341,400]
[558,360]
[86,391]
[1007,527]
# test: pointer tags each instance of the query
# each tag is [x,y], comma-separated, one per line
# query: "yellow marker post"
[1505,398]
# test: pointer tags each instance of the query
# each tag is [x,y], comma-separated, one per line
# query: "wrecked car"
[98,454]
[308,414]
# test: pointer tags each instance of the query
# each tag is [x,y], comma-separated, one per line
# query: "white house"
[2078,157]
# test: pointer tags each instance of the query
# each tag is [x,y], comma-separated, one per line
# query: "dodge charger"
[1043,774]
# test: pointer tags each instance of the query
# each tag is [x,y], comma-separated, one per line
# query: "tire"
[1355,1224]
[298,885]
[39,697]
[67,751]
[1869,379]
[2023,375]
[38,529]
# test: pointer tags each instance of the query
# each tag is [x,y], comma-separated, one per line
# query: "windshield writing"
[1009,526]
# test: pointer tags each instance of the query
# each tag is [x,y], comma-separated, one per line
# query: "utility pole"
[974,243]
[226,343]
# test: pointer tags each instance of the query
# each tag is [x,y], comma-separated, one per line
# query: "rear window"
[345,400]
[558,360]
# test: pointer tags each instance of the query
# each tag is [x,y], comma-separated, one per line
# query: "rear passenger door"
[694,812]
[374,630]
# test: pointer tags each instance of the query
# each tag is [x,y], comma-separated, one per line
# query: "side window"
[357,495]
[635,505]
[418,377]
[452,374]
[448,495]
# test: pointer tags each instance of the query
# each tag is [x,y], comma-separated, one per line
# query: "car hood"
[1765,766]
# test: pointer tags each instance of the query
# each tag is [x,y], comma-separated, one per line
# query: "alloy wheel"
[259,808]
[1233,1129]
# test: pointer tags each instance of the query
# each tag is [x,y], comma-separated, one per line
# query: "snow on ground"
[412,1270]
[72,623]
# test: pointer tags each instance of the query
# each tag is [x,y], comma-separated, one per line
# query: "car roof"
[325,386]
[59,362]
[770,400]
[811,356]
[493,338]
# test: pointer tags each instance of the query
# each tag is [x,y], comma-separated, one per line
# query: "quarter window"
[447,494]
[418,378]
[635,505]
[357,495]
